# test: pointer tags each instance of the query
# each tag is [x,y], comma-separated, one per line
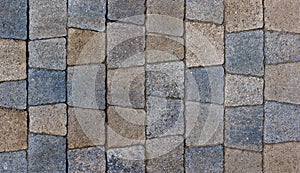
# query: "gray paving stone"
[46,153]
[47,18]
[13,162]
[243,127]
[13,94]
[13,19]
[281,122]
[46,86]
[171,8]
[204,159]
[244,53]
[87,160]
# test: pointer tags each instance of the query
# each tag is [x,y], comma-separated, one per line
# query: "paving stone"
[46,153]
[205,11]
[205,84]
[126,11]
[204,124]
[126,87]
[13,130]
[87,14]
[13,59]
[13,162]
[165,79]
[47,18]
[244,53]
[204,44]
[282,15]
[125,45]
[46,86]
[244,127]
[243,90]
[204,159]
[129,159]
[282,83]
[284,157]
[171,8]
[282,122]
[86,86]
[85,47]
[48,119]
[13,94]
[164,117]
[242,161]
[85,128]
[243,15]
[87,160]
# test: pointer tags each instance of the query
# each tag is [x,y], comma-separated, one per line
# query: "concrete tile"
[13,162]
[13,94]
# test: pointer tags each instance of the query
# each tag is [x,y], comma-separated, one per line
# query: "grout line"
[184,83]
[48,38]
[264,87]
[66,78]
[224,78]
[145,90]
[27,85]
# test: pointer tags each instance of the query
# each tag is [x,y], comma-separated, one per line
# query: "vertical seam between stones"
[264,85]
[145,82]
[66,78]
[184,85]
[27,85]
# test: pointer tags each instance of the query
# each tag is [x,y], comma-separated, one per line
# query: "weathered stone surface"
[13,59]
[243,15]
[13,162]
[244,53]
[47,18]
[87,160]
[281,123]
[126,87]
[282,15]
[46,153]
[87,14]
[243,90]
[243,127]
[13,130]
[172,8]
[85,128]
[48,119]
[46,86]
[86,86]
[85,47]
[204,159]
[13,94]
[242,161]
[282,82]
[204,44]
[284,157]
[205,11]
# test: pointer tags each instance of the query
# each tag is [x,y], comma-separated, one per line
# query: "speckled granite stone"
[13,162]
[13,94]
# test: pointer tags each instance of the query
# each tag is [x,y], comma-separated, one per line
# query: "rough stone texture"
[13,19]
[87,14]
[284,157]
[164,117]
[48,119]
[243,15]
[13,94]
[125,45]
[282,123]
[85,47]
[244,127]
[282,15]
[13,130]
[204,159]
[85,128]
[204,44]
[49,54]
[13,59]
[204,124]
[86,86]
[48,18]
[205,84]
[205,11]
[46,153]
[172,8]
[13,162]
[238,161]
[165,79]
[46,86]
[244,53]
[243,90]
[87,160]
[282,82]
[126,87]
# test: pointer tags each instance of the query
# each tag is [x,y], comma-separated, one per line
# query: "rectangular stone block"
[171,8]
[13,162]
[13,94]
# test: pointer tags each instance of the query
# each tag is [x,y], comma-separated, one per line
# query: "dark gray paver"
[13,94]
[13,162]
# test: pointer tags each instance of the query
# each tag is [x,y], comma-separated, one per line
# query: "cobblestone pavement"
[150,86]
